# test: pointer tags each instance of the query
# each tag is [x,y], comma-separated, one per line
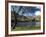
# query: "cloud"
[37,13]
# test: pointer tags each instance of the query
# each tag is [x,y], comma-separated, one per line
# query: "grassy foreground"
[23,28]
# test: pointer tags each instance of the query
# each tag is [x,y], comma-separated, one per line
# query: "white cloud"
[38,7]
[37,13]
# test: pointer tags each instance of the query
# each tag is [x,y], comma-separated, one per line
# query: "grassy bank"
[26,28]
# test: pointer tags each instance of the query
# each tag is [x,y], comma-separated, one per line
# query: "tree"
[15,16]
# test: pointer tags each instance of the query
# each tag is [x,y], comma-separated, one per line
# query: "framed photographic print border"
[6,18]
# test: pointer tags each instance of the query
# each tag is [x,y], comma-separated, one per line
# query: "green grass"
[23,28]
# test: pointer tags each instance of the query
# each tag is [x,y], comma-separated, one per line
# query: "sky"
[26,10]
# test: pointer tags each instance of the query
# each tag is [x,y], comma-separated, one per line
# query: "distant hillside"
[25,18]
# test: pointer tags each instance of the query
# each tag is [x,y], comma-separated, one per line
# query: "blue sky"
[28,11]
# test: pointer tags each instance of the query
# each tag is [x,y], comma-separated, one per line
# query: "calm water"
[28,23]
